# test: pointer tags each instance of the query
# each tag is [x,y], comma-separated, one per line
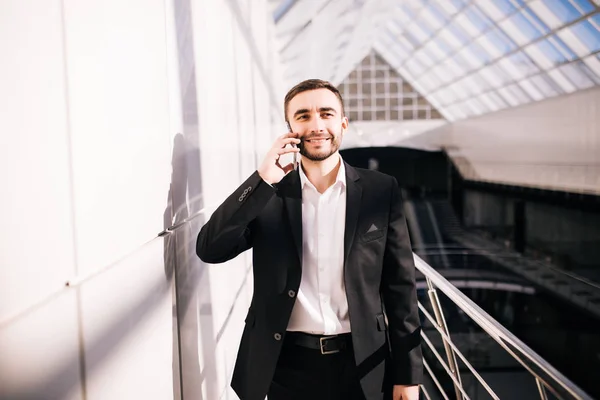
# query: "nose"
[317,125]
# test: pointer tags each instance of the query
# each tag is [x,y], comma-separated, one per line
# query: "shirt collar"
[340,178]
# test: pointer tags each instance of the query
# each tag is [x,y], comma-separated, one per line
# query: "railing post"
[439,316]
[542,389]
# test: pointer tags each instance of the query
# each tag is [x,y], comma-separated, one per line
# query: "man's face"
[316,116]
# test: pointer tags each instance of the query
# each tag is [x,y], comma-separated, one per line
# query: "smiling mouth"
[317,140]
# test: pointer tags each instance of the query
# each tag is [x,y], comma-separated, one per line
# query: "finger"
[283,142]
[286,150]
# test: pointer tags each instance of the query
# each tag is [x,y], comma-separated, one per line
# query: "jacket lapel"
[353,198]
[290,190]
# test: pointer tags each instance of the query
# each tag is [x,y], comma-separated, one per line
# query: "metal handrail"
[547,377]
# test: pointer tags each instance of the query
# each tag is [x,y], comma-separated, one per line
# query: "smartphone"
[293,145]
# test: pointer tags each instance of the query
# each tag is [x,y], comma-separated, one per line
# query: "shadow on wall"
[193,332]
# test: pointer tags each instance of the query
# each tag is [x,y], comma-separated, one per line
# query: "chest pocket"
[373,233]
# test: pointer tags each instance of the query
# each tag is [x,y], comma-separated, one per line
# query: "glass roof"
[472,57]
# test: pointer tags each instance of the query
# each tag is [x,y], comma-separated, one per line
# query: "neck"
[322,174]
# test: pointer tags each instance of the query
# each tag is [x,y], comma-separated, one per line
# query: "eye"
[328,114]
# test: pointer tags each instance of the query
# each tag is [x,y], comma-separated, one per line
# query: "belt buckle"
[322,345]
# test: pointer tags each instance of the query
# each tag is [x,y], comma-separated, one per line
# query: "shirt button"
[291,293]
[277,336]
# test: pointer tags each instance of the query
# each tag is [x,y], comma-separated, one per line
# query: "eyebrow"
[321,110]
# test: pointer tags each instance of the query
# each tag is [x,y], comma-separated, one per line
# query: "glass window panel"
[444,48]
[509,97]
[411,38]
[464,65]
[470,58]
[453,67]
[406,43]
[489,7]
[490,75]
[573,41]
[584,5]
[400,17]
[544,54]
[477,106]
[546,85]
[477,18]
[511,69]
[489,46]
[506,6]
[563,10]
[431,74]
[489,102]
[446,96]
[476,84]
[496,98]
[414,66]
[519,93]
[418,31]
[424,59]
[577,75]
[448,7]
[593,62]
[438,13]
[502,74]
[535,20]
[524,63]
[460,90]
[563,48]
[545,14]
[531,89]
[500,41]
[520,29]
[478,51]
[587,34]
[565,84]
[466,25]
[434,56]
[449,37]
[458,32]
[437,52]
[431,20]
[408,11]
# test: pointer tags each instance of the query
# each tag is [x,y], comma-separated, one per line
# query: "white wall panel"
[36,246]
[39,353]
[552,144]
[117,69]
[127,327]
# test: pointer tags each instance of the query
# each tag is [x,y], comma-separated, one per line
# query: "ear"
[344,125]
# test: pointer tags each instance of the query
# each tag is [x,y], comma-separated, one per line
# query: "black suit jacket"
[379,275]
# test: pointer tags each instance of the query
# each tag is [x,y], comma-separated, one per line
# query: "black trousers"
[304,373]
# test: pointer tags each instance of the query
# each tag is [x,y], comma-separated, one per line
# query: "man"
[331,254]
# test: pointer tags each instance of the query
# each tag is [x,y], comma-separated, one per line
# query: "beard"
[320,154]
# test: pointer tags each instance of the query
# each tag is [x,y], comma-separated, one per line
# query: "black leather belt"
[327,344]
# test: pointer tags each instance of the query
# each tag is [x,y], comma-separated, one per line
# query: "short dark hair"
[310,84]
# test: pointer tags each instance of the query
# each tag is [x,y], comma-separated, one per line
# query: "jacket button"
[277,336]
[291,293]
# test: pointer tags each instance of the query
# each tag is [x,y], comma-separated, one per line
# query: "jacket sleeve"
[399,296]
[228,232]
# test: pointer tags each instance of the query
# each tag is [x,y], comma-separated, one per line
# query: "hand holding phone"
[271,170]
[293,145]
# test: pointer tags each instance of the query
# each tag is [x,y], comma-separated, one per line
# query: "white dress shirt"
[321,306]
